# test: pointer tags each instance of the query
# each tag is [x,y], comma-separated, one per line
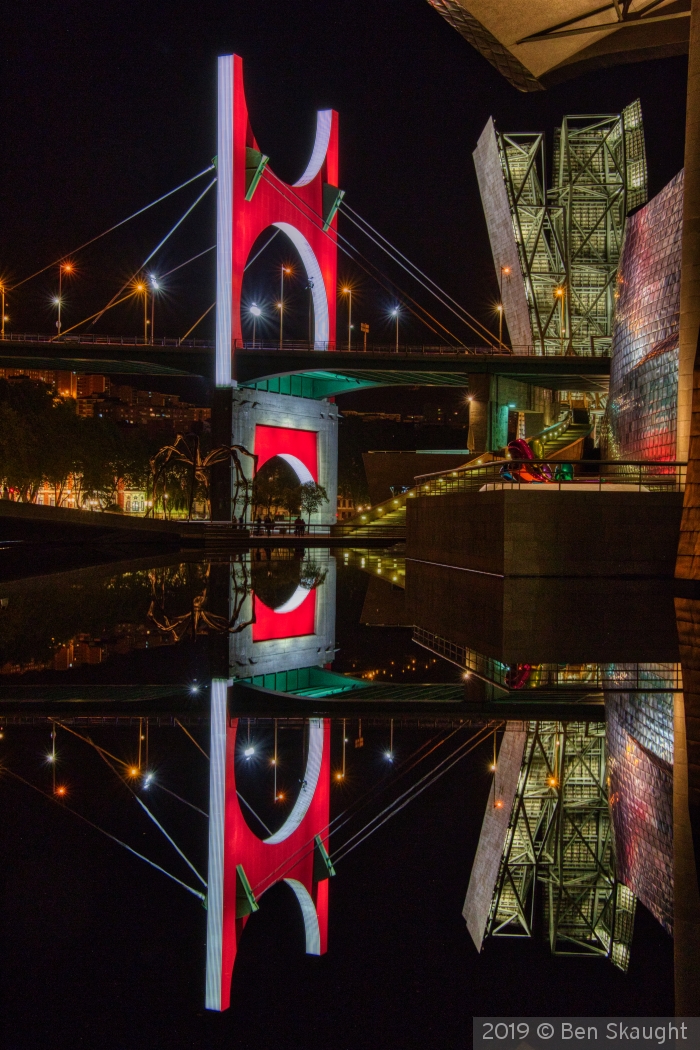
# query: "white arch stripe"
[300,595]
[313,272]
[308,911]
[308,786]
[324,120]
[300,469]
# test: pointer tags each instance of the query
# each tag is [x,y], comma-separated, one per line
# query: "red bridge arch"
[250,199]
[242,866]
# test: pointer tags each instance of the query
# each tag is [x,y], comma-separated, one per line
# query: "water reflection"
[311,697]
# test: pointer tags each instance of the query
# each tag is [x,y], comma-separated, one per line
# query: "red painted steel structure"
[289,855]
[290,442]
[297,208]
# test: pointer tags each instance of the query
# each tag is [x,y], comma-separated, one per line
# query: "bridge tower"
[250,199]
[242,866]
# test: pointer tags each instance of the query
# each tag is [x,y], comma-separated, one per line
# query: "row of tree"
[42,440]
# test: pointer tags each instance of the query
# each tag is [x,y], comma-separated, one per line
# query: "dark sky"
[107,106]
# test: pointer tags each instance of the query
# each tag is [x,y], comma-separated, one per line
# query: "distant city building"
[346,507]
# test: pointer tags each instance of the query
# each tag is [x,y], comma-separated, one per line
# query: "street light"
[66,268]
[348,292]
[141,288]
[155,287]
[283,270]
[395,313]
[255,312]
[2,315]
[500,323]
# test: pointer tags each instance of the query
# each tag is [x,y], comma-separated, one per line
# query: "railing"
[274,531]
[95,339]
[528,678]
[413,349]
[589,475]
[408,350]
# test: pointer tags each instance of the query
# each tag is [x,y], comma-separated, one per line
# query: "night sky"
[107,108]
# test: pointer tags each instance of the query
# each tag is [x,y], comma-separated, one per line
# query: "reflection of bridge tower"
[250,199]
[297,629]
[242,866]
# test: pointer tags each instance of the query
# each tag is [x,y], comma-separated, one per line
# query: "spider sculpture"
[187,450]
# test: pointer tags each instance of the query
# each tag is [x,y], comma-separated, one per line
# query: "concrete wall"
[547,533]
[535,619]
[257,407]
[491,398]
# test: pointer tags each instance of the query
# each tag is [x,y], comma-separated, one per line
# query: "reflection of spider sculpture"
[198,621]
[190,454]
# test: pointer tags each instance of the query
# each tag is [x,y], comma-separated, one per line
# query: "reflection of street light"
[255,311]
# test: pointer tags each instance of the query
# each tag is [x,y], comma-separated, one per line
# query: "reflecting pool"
[291,797]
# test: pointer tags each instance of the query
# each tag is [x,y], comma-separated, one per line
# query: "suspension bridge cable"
[207,311]
[398,809]
[359,803]
[187,262]
[346,208]
[248,805]
[169,234]
[87,740]
[195,742]
[384,282]
[107,834]
[115,227]
[104,310]
[413,787]
[210,308]
[381,279]
[431,291]
[103,755]
[156,783]
[421,282]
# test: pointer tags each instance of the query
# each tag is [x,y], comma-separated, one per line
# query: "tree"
[312,496]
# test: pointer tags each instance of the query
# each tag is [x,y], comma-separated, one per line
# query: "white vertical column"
[215,875]
[224,220]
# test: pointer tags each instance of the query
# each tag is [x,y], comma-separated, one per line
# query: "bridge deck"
[316,373]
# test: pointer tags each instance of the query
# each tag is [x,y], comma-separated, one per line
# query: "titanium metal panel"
[494,199]
[642,405]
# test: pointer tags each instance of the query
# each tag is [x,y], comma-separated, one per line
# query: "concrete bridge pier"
[492,397]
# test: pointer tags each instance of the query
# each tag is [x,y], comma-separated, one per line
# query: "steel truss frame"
[570,237]
[560,838]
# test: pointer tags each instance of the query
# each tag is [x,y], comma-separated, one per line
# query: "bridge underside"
[305,373]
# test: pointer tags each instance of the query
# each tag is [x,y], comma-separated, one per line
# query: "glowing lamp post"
[141,288]
[2,315]
[66,268]
[283,270]
[348,292]
[255,312]
[154,288]
[395,313]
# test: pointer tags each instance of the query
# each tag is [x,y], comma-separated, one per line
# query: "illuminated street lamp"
[141,288]
[283,270]
[67,268]
[2,315]
[255,312]
[155,287]
[500,323]
[348,291]
[395,313]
